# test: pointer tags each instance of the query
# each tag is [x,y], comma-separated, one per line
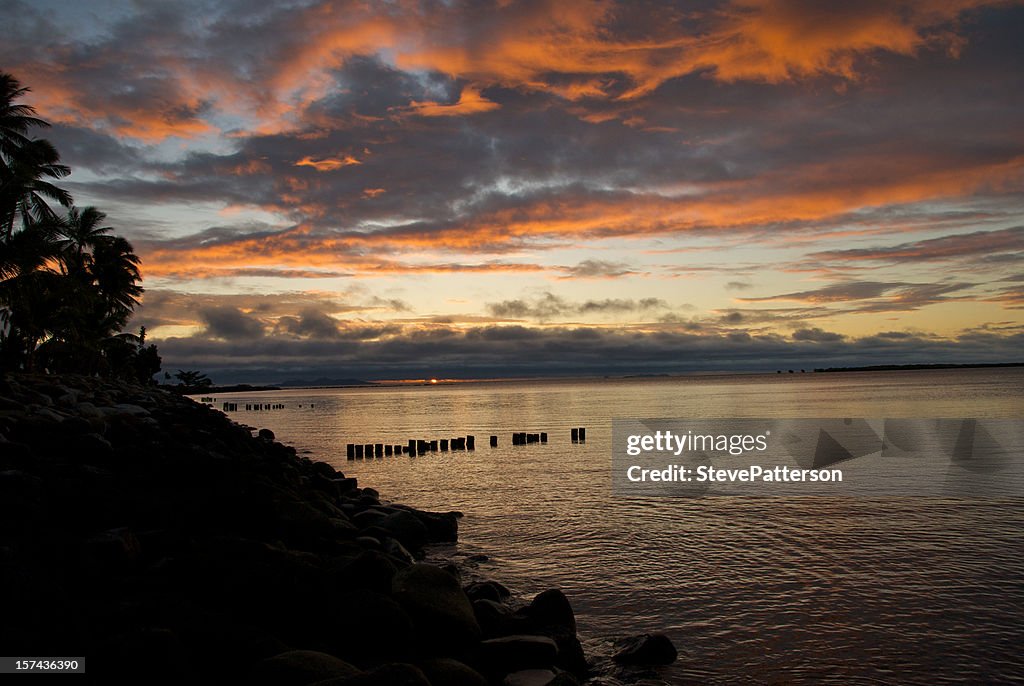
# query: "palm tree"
[15,119]
[68,286]
[25,163]
[80,233]
[115,270]
[26,287]
[24,190]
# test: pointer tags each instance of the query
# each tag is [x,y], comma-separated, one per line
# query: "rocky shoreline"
[167,544]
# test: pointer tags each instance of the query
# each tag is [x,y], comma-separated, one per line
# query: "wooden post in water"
[359,451]
[378,450]
[387,450]
[494,441]
[350,451]
[470,443]
[412,446]
[543,437]
[433,446]
[575,435]
[583,434]
[368,450]
[444,445]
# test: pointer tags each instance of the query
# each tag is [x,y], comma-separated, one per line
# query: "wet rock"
[372,627]
[367,518]
[646,649]
[88,411]
[397,551]
[515,653]
[551,609]
[300,667]
[487,590]
[405,527]
[530,677]
[438,606]
[130,409]
[496,619]
[369,569]
[448,672]
[325,470]
[266,434]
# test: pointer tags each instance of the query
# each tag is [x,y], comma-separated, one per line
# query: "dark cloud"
[816,335]
[873,296]
[310,323]
[983,244]
[492,351]
[230,324]
[598,269]
[549,306]
[738,285]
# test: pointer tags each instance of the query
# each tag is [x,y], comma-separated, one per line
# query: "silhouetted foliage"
[68,286]
[192,381]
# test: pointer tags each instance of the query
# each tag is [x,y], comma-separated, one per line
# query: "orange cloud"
[328,163]
[807,195]
[470,102]
[569,48]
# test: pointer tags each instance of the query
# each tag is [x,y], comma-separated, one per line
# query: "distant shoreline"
[904,367]
[390,383]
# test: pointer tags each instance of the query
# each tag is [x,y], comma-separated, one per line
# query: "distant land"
[241,388]
[324,382]
[894,367]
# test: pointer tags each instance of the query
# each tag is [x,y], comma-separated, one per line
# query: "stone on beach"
[437,604]
[646,649]
[517,652]
[443,671]
[300,667]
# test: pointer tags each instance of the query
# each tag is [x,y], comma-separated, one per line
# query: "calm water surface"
[843,590]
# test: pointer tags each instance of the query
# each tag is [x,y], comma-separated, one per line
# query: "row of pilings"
[251,407]
[415,446]
[418,446]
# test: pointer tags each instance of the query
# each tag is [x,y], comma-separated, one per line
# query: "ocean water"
[837,590]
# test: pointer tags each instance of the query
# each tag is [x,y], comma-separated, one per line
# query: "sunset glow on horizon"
[450,190]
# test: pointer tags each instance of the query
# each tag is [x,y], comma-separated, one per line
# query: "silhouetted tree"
[193,380]
[68,286]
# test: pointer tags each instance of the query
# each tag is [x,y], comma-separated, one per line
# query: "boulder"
[369,569]
[530,677]
[517,652]
[497,620]
[487,590]
[406,528]
[438,606]
[646,649]
[370,628]
[444,671]
[300,667]
[551,609]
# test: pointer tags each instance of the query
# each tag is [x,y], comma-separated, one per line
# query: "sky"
[408,190]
